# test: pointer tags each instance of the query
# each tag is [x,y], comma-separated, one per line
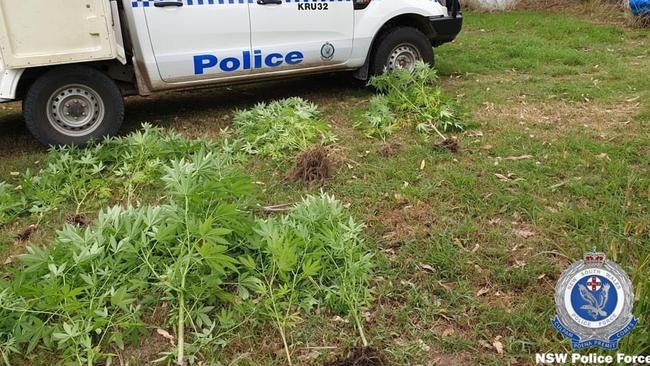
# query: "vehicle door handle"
[269,2]
[162,4]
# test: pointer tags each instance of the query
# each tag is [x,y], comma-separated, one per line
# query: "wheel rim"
[403,57]
[75,110]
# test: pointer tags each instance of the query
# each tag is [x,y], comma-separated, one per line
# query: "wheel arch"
[413,20]
[123,76]
[9,82]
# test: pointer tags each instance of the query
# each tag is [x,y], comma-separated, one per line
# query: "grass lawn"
[470,244]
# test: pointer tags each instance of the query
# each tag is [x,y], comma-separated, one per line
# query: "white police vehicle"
[71,62]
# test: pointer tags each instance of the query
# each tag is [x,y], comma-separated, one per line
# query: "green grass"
[553,86]
[548,56]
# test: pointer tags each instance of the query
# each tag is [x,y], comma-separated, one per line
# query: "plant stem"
[361,332]
[5,358]
[181,325]
[286,346]
[429,117]
[181,291]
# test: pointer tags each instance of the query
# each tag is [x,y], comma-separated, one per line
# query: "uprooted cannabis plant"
[281,127]
[413,95]
[115,170]
[314,256]
[87,292]
[379,120]
[201,252]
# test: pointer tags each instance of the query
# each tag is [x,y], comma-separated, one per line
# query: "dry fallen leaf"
[165,334]
[517,158]
[519,264]
[423,164]
[427,268]
[511,177]
[448,285]
[407,283]
[367,316]
[340,320]
[484,344]
[524,233]
[423,346]
[482,291]
[498,345]
[494,221]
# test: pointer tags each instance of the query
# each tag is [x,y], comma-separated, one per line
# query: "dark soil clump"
[27,233]
[312,167]
[80,220]
[448,144]
[367,356]
[388,150]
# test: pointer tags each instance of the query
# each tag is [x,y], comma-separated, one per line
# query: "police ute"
[71,62]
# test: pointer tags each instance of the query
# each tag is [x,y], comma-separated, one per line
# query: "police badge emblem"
[594,299]
[327,52]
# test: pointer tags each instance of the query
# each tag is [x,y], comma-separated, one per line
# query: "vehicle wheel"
[401,48]
[72,105]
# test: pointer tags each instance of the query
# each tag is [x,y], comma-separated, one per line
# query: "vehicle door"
[198,39]
[290,34]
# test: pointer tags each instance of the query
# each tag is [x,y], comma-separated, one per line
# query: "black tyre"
[401,48]
[72,105]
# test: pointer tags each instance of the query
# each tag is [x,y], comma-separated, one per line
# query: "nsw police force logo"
[594,299]
[327,52]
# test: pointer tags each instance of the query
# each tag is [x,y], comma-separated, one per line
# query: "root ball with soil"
[362,356]
[312,167]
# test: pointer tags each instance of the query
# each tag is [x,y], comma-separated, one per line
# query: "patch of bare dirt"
[312,167]
[450,145]
[366,356]
[387,150]
[406,223]
[446,359]
[150,345]
[146,351]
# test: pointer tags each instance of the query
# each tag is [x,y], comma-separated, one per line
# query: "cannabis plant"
[87,293]
[379,120]
[416,95]
[114,170]
[11,203]
[312,257]
[281,127]
[196,248]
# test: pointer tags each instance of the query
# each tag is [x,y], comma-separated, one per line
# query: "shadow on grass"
[167,109]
